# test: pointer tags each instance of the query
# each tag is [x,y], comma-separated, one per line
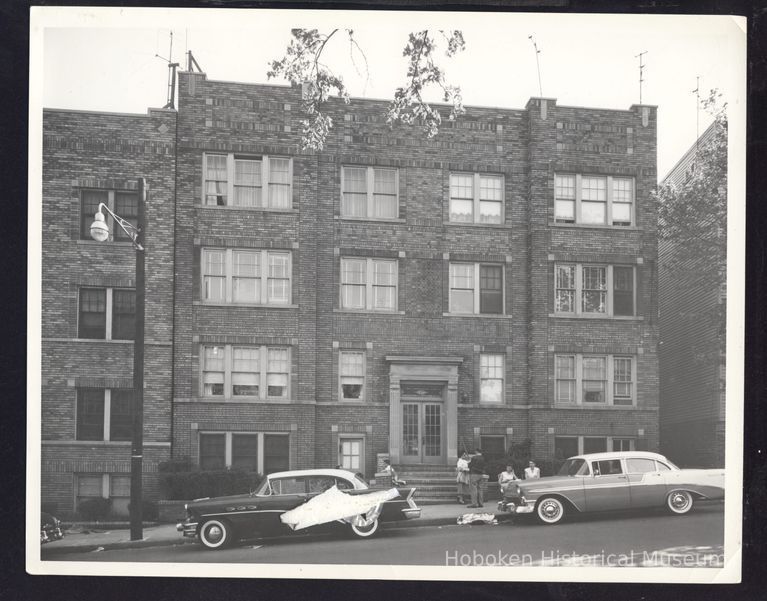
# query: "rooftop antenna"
[171,98]
[696,91]
[641,72]
[190,62]
[537,63]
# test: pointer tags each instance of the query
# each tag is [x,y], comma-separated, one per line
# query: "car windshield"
[574,467]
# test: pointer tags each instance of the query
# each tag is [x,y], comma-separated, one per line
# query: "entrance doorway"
[423,424]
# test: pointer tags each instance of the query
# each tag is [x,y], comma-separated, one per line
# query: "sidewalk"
[83,539]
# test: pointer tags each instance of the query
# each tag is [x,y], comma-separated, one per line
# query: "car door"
[646,484]
[284,494]
[608,487]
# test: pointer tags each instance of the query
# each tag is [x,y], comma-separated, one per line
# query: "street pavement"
[615,539]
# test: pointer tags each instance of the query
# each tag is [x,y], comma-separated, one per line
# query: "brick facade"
[421,338]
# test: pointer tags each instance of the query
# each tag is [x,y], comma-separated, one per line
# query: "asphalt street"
[623,539]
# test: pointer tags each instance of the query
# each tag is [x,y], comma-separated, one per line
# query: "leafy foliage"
[184,485]
[301,65]
[693,215]
[94,510]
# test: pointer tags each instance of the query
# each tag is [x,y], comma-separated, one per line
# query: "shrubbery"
[149,511]
[94,510]
[178,481]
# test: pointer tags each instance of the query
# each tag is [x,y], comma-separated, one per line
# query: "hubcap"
[679,501]
[214,534]
[550,509]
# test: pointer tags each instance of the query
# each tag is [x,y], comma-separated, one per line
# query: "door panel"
[608,487]
[648,486]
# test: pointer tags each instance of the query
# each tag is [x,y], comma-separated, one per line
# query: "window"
[124,204]
[104,486]
[568,446]
[256,277]
[593,200]
[369,284]
[351,371]
[289,486]
[640,466]
[608,467]
[251,451]
[350,452]
[106,314]
[476,198]
[104,414]
[565,447]
[491,370]
[476,288]
[594,379]
[596,290]
[493,447]
[248,182]
[232,371]
[369,192]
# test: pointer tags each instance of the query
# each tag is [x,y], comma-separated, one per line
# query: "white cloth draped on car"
[334,504]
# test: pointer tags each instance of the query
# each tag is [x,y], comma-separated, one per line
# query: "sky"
[106,59]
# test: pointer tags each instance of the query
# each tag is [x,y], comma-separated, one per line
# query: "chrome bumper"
[411,512]
[511,507]
[187,529]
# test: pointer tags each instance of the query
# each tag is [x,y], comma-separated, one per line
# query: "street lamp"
[100,232]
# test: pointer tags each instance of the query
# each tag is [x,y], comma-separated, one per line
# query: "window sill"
[243,305]
[100,443]
[605,317]
[248,209]
[371,219]
[596,226]
[502,226]
[598,407]
[106,243]
[367,312]
[91,340]
[477,315]
[244,399]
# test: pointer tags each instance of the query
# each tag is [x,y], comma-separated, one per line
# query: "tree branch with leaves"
[302,65]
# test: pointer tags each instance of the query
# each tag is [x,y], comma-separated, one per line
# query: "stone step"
[426,477]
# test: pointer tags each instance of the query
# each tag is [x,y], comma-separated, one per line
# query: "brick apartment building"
[693,354]
[388,295]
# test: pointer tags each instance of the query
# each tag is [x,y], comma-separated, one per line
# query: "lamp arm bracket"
[130,229]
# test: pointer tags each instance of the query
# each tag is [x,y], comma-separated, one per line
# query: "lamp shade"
[99,228]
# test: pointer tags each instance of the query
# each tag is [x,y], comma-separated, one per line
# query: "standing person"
[506,478]
[476,472]
[531,471]
[462,477]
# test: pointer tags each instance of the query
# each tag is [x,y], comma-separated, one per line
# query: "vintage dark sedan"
[610,481]
[221,521]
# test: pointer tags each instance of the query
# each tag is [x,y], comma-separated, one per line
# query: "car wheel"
[215,534]
[363,527]
[679,502]
[550,510]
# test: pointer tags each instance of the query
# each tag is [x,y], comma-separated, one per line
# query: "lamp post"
[99,231]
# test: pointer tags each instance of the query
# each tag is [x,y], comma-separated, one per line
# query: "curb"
[181,540]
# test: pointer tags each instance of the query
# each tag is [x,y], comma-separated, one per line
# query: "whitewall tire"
[679,502]
[364,528]
[550,510]
[215,534]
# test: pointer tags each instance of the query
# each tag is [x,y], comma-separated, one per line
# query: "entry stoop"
[435,484]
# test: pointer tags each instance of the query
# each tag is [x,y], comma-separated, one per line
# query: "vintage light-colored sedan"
[220,521]
[610,481]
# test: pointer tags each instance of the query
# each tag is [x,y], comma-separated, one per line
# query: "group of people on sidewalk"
[471,470]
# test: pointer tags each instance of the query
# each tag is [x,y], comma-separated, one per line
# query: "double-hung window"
[594,199]
[594,379]
[250,451]
[351,372]
[583,289]
[106,313]
[369,284]
[369,192]
[244,372]
[491,378]
[568,446]
[104,414]
[476,288]
[240,276]
[250,182]
[123,203]
[476,198]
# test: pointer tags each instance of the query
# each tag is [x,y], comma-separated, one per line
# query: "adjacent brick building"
[403,296]
[693,358]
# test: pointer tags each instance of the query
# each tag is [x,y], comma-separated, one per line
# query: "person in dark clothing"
[476,472]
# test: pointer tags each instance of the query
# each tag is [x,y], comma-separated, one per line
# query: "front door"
[422,432]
